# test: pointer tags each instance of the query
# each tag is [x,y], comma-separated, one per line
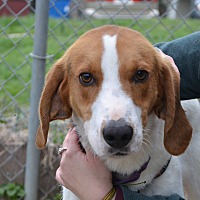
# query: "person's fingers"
[67,137]
[171,60]
[58,176]
[71,142]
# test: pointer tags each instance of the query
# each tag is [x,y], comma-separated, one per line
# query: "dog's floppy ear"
[177,129]
[54,102]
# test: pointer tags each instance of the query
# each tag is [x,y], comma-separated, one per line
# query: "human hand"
[82,173]
[171,60]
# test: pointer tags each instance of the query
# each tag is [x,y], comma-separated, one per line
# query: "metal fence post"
[38,73]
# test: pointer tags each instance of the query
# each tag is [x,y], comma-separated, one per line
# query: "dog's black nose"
[117,133]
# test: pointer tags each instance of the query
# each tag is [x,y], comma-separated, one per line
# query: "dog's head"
[110,80]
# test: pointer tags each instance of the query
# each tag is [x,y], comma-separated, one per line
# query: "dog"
[123,97]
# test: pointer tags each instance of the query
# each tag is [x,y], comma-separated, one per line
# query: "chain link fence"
[159,21]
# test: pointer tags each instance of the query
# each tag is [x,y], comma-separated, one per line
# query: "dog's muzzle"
[118,133]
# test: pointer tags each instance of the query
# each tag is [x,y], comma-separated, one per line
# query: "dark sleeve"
[123,193]
[186,54]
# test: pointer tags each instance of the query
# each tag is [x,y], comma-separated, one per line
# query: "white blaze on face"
[112,103]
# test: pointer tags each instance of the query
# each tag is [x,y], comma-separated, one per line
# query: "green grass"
[16,63]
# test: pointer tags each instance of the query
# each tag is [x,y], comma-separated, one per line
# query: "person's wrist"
[111,194]
[103,191]
[95,193]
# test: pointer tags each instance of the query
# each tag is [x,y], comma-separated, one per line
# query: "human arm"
[186,54]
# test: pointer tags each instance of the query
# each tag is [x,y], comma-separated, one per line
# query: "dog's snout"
[117,133]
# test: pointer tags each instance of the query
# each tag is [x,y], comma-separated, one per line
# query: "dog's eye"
[141,76]
[86,79]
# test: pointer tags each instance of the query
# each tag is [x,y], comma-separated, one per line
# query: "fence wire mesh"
[159,21]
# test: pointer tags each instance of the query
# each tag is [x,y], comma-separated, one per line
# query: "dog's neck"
[119,179]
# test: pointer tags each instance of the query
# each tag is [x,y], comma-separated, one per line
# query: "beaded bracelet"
[110,194]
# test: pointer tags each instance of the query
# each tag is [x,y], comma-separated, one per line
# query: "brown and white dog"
[123,97]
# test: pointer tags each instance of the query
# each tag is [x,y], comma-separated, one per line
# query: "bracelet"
[110,194]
